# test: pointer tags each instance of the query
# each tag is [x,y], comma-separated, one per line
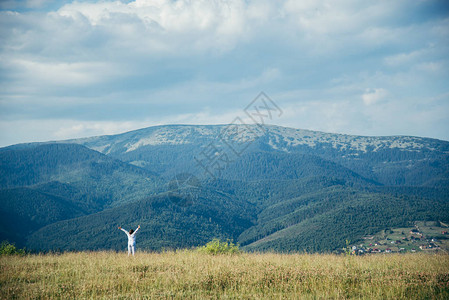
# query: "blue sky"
[80,68]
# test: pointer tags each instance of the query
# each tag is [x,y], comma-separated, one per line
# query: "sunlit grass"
[191,274]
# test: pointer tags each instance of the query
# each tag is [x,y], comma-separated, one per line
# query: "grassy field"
[189,274]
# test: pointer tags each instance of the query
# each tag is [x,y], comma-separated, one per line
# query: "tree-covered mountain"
[164,224]
[391,160]
[45,183]
[329,217]
[93,179]
[24,210]
[268,188]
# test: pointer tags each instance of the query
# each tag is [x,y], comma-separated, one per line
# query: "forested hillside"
[286,190]
[164,225]
[327,219]
[23,210]
[96,179]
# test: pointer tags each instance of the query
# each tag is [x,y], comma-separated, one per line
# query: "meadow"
[194,275]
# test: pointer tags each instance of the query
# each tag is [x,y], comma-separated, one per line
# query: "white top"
[131,237]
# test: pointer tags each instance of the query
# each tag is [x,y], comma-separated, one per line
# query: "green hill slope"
[323,221]
[24,210]
[106,180]
[164,224]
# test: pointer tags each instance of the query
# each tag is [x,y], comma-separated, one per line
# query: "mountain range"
[265,187]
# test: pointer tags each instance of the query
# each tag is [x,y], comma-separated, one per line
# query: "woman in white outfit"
[131,239]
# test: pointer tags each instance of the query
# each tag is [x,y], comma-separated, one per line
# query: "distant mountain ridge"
[280,188]
[280,138]
[367,156]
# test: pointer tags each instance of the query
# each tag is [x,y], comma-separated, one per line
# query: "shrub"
[219,247]
[9,249]
[347,250]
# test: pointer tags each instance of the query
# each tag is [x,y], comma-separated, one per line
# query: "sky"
[72,69]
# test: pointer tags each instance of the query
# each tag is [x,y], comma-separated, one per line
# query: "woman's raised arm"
[138,227]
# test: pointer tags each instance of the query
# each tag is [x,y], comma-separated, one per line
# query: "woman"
[131,239]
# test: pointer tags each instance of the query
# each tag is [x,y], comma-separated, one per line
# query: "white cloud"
[74,128]
[41,130]
[430,67]
[404,58]
[198,25]
[82,73]
[373,96]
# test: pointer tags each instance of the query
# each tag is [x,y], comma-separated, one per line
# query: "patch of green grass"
[7,248]
[219,247]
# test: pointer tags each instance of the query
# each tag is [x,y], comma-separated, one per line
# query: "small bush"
[9,249]
[219,247]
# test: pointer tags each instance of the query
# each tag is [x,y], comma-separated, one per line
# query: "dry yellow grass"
[193,275]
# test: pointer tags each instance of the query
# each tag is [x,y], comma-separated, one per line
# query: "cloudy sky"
[79,68]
